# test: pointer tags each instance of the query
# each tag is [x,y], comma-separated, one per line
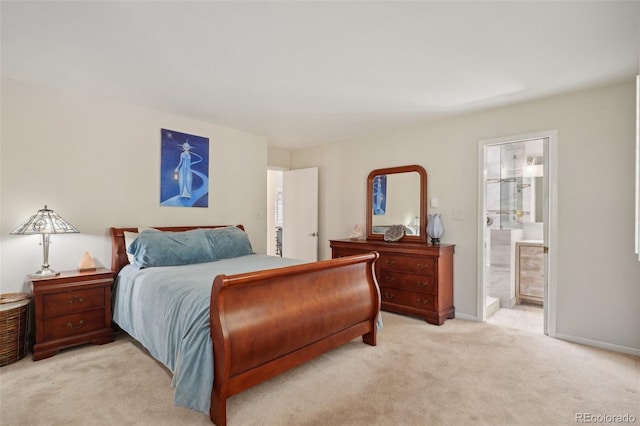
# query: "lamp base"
[44,273]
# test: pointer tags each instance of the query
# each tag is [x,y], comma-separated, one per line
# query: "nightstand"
[71,309]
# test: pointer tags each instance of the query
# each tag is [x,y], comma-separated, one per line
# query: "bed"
[226,325]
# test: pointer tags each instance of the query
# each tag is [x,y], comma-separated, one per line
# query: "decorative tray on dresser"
[414,278]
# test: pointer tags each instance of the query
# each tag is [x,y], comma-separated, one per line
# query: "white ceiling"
[306,73]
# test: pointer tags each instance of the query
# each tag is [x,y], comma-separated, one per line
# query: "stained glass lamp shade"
[45,222]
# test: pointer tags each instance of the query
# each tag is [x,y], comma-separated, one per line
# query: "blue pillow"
[153,248]
[229,242]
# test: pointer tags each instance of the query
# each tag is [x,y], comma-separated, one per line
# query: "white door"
[300,214]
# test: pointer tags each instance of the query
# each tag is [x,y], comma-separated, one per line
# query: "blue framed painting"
[379,195]
[184,170]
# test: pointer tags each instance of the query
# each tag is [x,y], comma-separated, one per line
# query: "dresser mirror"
[397,196]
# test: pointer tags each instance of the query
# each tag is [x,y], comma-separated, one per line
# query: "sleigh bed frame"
[326,304]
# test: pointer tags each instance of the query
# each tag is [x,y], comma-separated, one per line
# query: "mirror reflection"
[396,200]
[397,196]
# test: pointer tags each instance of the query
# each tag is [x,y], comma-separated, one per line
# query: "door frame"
[550,218]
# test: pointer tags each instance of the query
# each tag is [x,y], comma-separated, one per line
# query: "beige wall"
[97,162]
[278,157]
[598,289]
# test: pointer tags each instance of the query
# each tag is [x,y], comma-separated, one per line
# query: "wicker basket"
[14,321]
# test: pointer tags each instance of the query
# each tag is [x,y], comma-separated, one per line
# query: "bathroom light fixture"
[45,222]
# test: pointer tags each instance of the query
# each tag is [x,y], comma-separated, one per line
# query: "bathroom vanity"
[530,272]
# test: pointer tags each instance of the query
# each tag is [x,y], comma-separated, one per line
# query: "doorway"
[274,211]
[517,203]
[292,213]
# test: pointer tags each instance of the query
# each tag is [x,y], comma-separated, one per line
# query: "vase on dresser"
[435,229]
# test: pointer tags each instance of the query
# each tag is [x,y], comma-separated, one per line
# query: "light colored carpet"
[460,373]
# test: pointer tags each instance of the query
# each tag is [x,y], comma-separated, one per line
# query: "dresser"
[70,309]
[414,278]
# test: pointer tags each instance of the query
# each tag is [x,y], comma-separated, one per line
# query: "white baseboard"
[598,344]
[466,317]
[574,339]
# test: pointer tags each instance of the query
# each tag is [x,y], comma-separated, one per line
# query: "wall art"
[184,170]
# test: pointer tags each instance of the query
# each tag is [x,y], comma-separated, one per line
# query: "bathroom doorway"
[516,197]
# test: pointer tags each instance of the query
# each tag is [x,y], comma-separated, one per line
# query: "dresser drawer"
[73,301]
[415,264]
[342,253]
[412,282]
[412,299]
[74,324]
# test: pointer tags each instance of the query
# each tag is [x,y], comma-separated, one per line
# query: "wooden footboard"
[264,323]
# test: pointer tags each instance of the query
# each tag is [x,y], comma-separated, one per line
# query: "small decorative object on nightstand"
[86,263]
[71,309]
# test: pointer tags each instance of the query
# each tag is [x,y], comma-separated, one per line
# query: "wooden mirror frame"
[422,238]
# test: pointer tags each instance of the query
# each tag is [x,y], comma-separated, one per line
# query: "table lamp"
[45,222]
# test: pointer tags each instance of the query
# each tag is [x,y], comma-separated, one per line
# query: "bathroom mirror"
[397,196]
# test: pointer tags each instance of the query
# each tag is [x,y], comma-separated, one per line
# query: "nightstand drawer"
[417,265]
[412,282]
[73,301]
[72,325]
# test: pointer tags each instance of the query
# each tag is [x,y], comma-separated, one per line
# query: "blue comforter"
[166,309]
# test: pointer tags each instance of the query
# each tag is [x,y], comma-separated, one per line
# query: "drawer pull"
[389,279]
[423,266]
[74,327]
[389,262]
[422,284]
[71,299]
[423,301]
[389,295]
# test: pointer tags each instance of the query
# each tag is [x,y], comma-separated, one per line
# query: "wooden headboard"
[119,250]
